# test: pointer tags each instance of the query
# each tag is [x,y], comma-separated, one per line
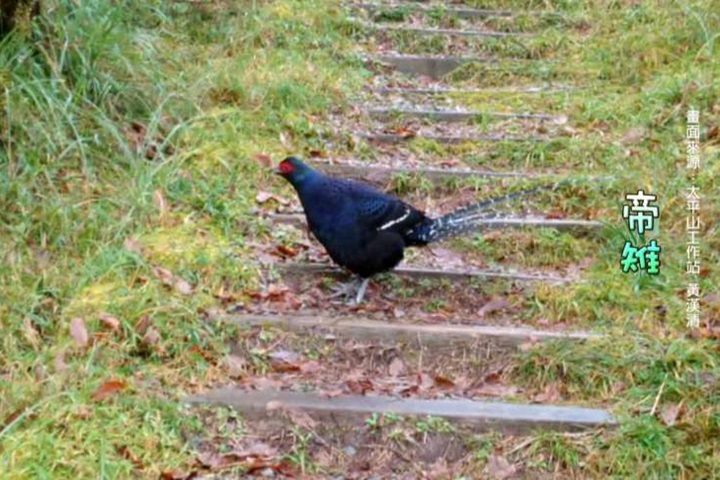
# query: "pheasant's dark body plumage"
[364,229]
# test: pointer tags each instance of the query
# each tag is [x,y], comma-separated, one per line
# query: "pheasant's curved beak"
[276,171]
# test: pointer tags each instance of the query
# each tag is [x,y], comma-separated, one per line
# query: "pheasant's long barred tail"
[453,224]
[469,218]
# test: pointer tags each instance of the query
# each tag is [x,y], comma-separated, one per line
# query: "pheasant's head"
[294,170]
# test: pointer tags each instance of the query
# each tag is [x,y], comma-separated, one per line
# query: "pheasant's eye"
[286,167]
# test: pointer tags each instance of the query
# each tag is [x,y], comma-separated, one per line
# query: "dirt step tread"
[442,31]
[425,335]
[437,66]
[354,409]
[425,65]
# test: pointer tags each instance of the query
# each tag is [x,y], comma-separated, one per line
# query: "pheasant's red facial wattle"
[286,168]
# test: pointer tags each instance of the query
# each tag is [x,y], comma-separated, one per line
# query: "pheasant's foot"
[354,288]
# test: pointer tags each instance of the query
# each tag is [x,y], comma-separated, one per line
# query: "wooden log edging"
[298,219]
[352,410]
[423,272]
[460,12]
[447,115]
[436,337]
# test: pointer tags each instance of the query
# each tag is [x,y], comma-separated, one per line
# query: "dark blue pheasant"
[366,230]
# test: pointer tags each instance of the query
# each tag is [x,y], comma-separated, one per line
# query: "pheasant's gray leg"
[344,289]
[361,291]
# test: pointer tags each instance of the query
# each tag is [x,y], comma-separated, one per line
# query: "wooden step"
[392,138]
[298,219]
[434,337]
[421,272]
[446,115]
[443,90]
[456,11]
[384,28]
[434,174]
[353,410]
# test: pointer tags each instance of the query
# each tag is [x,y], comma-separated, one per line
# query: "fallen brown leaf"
[670,413]
[79,332]
[549,394]
[494,305]
[139,142]
[318,154]
[263,197]
[313,366]
[109,322]
[151,337]
[264,160]
[250,464]
[177,475]
[282,366]
[494,390]
[236,365]
[359,387]
[297,416]
[404,132]
[498,468]
[332,393]
[713,133]
[447,257]
[634,135]
[264,383]
[713,299]
[168,279]
[555,215]
[443,382]
[125,453]
[138,128]
[300,418]
[30,333]
[449,163]
[160,202]
[60,365]
[14,415]
[183,287]
[286,252]
[257,449]
[107,389]
[425,381]
[396,367]
[529,345]
[143,324]
[164,275]
[82,412]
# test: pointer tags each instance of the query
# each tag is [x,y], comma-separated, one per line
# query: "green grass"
[92,203]
[218,84]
